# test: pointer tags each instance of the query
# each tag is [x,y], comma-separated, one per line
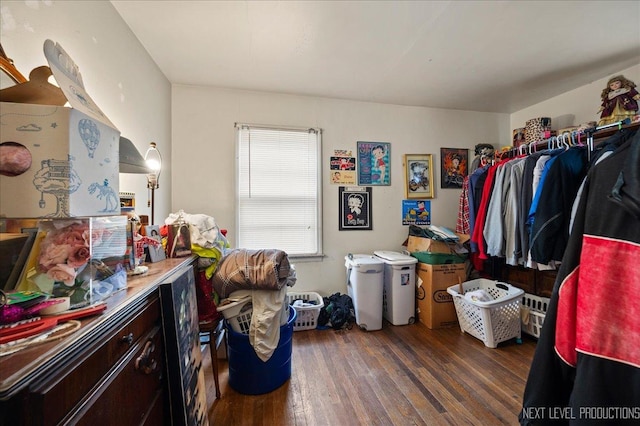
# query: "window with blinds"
[279,189]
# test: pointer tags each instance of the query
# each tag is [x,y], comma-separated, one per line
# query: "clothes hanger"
[564,142]
[521,151]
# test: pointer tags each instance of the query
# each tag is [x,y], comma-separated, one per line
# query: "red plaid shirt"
[462,224]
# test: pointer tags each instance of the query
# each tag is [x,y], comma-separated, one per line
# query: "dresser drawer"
[127,395]
[75,383]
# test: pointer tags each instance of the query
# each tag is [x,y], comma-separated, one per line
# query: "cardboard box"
[435,305]
[415,244]
[58,161]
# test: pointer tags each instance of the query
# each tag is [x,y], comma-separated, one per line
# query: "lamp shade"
[131,161]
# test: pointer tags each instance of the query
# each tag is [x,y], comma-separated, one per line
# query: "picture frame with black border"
[454,166]
[355,208]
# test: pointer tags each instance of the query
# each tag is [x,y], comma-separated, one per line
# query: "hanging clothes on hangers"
[477,236]
[605,149]
[588,356]
[525,199]
[476,185]
[550,229]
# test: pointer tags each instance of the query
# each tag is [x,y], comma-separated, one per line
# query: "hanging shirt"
[462,224]
[512,251]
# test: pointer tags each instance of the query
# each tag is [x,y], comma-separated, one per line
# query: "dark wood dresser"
[109,372]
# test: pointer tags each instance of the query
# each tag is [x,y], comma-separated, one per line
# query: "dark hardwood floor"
[400,375]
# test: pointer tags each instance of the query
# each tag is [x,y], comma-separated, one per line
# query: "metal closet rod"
[589,133]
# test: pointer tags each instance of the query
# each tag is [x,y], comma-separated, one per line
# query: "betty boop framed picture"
[355,208]
[454,166]
[374,163]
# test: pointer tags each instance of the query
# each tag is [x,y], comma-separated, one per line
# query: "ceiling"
[491,56]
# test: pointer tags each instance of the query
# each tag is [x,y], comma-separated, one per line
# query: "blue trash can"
[248,374]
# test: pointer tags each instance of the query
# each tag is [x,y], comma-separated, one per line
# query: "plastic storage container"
[308,311]
[493,321]
[399,289]
[365,276]
[248,374]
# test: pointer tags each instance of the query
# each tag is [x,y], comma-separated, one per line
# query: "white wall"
[572,108]
[116,70]
[203,131]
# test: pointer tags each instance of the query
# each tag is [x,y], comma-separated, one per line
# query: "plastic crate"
[494,321]
[536,307]
[308,312]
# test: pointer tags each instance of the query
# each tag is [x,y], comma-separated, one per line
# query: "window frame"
[240,127]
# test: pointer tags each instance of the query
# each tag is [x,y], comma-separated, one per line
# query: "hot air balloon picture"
[90,135]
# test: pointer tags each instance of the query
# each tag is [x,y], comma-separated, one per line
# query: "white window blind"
[278,189]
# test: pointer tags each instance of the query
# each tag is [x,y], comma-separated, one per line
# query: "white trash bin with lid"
[399,289]
[364,282]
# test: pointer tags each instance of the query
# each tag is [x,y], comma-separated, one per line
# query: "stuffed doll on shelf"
[619,101]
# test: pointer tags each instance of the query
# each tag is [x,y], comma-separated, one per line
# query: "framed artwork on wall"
[355,208]
[454,167]
[374,163]
[418,176]
[416,212]
[343,167]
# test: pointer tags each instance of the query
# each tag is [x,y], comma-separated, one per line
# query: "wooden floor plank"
[400,375]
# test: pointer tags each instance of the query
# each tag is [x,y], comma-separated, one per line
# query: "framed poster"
[454,166]
[374,163]
[343,167]
[418,176]
[355,208]
[416,212]
[187,390]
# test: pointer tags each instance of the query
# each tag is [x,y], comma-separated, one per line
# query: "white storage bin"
[308,312]
[399,288]
[494,321]
[364,284]
[534,308]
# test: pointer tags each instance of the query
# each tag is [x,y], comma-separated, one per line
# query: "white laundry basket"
[534,309]
[238,311]
[494,321]
[308,311]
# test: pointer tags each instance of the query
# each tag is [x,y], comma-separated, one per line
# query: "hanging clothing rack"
[567,139]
